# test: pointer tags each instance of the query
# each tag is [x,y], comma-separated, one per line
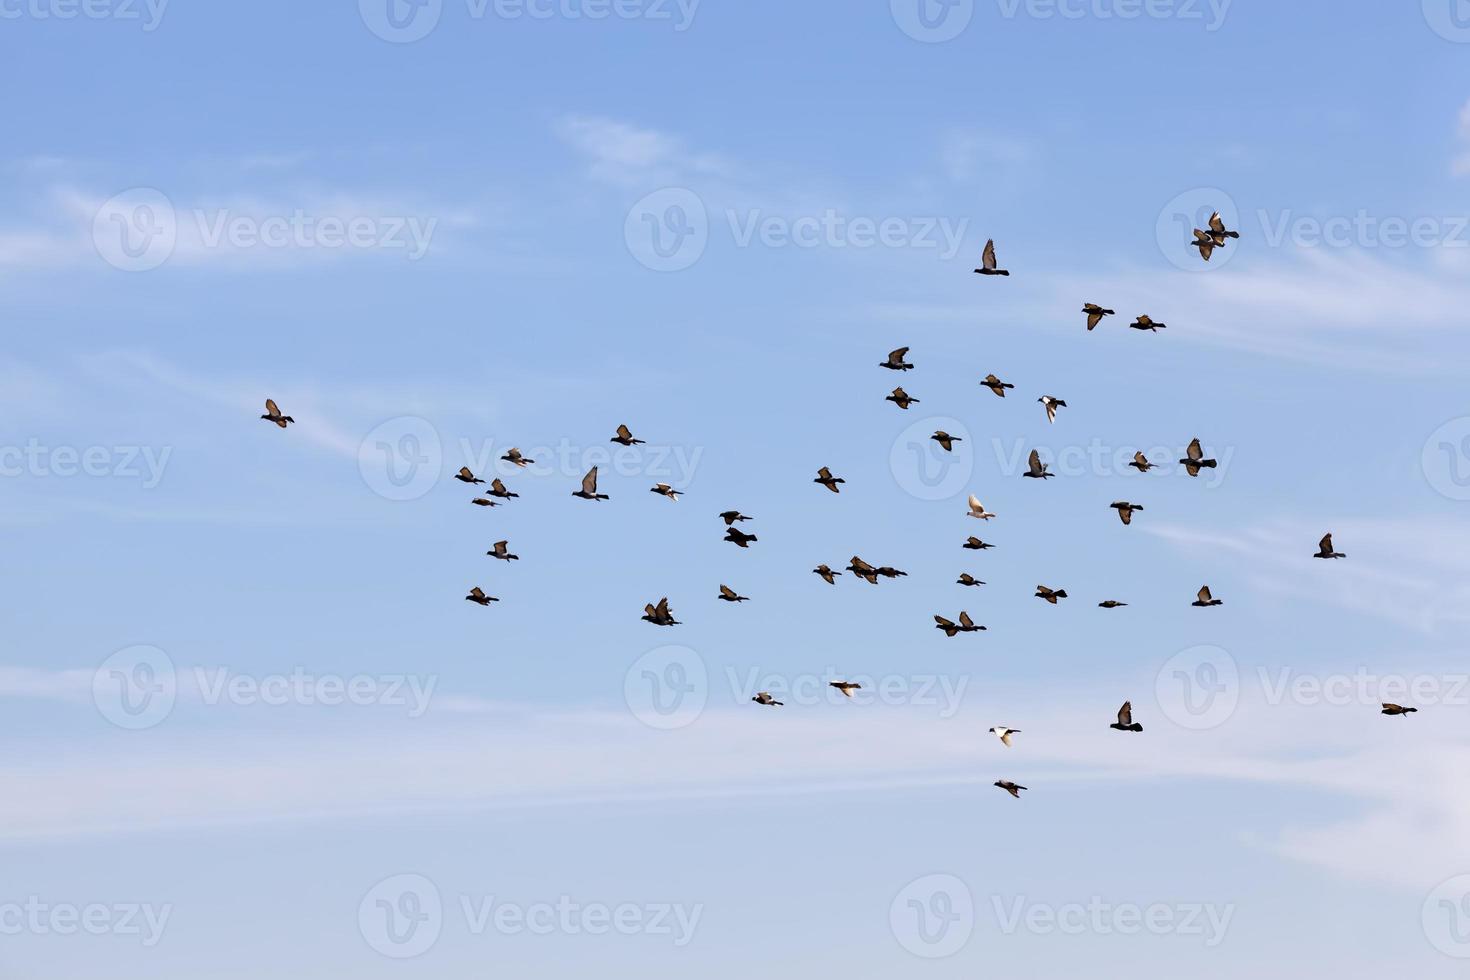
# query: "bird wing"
[1093,319]
[1326,544]
[1125,713]
[975,505]
[987,258]
[477,592]
[270,407]
[1005,738]
[896,357]
[965,619]
[499,547]
[624,432]
[1216,225]
[727,592]
[1140,459]
[1204,594]
[1035,461]
[589,482]
[824,473]
[861,565]
[943,623]
[464,471]
[1194,451]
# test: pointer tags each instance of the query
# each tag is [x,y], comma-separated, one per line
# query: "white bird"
[1051,405]
[977,509]
[1004,734]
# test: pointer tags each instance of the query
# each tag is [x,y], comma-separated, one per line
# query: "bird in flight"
[1051,405]
[1217,233]
[731,516]
[965,625]
[765,698]
[896,361]
[1206,599]
[977,509]
[730,595]
[826,479]
[827,574]
[996,385]
[973,543]
[514,456]
[1125,722]
[902,399]
[664,490]
[497,489]
[738,537]
[589,487]
[499,550]
[1095,314]
[862,569]
[273,414]
[846,687]
[1125,510]
[1004,734]
[888,571]
[1324,550]
[1111,604]
[1141,463]
[625,437]
[967,579]
[945,440]
[1144,323]
[987,261]
[1398,709]
[659,615]
[1036,469]
[482,502]
[478,596]
[1010,787]
[1050,595]
[1194,459]
[1205,243]
[465,476]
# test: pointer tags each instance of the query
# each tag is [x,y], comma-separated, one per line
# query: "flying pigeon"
[1125,722]
[987,262]
[273,414]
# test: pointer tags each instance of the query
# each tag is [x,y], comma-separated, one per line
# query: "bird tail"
[1208,464]
[1135,727]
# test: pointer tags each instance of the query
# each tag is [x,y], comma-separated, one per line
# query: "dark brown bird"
[730,595]
[664,490]
[896,361]
[1218,234]
[477,596]
[1324,550]
[482,502]
[625,437]
[951,630]
[498,550]
[659,615]
[1125,722]
[902,399]
[846,687]
[273,414]
[967,579]
[1141,463]
[1050,595]
[731,516]
[465,476]
[738,537]
[497,489]
[765,698]
[889,572]
[996,385]
[1194,460]
[987,262]
[1144,323]
[589,487]
[1204,243]
[1010,787]
[863,570]
[514,456]
[973,543]
[1125,510]
[826,479]
[1095,314]
[1398,709]
[1036,469]
[945,440]
[1206,599]
[1112,604]
[827,574]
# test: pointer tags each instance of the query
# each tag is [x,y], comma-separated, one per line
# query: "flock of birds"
[660,614]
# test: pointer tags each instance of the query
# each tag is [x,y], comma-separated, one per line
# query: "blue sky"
[247,709]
